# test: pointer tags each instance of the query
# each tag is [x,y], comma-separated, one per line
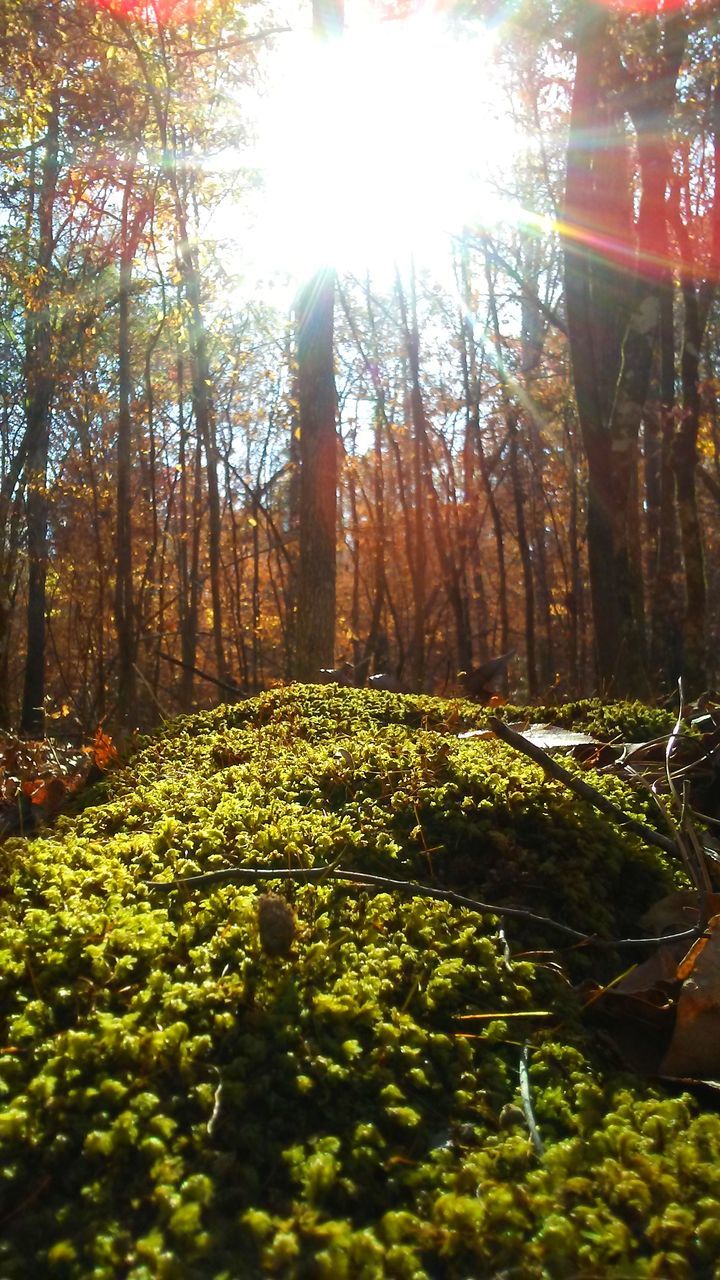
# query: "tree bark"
[317,397]
[130,231]
[315,625]
[203,408]
[40,390]
[697,299]
[474,449]
[605,278]
[666,619]
[685,459]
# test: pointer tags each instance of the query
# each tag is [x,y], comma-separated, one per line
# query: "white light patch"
[374,146]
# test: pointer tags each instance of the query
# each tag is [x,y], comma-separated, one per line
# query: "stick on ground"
[582,789]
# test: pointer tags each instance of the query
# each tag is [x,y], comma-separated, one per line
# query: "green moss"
[174,1102]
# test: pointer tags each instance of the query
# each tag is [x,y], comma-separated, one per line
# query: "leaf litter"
[39,778]
[663,1014]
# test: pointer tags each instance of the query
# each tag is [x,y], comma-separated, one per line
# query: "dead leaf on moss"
[639,1024]
[695,1046]
[675,912]
[659,971]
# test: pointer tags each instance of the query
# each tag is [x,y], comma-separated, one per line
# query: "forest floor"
[337,983]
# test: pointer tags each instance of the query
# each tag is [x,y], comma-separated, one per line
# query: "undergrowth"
[178,1103]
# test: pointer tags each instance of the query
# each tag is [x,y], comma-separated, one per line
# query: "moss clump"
[177,1102]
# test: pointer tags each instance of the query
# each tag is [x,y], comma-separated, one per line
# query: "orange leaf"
[695,1046]
[35,789]
[103,752]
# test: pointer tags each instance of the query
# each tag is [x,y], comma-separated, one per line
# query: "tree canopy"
[246,433]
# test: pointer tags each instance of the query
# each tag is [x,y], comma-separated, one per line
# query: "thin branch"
[237,43]
[688,841]
[526,1101]
[580,788]
[308,875]
[204,675]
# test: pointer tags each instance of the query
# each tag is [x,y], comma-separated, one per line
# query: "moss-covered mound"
[178,1102]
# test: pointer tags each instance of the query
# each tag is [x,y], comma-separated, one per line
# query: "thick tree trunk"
[596,287]
[315,624]
[315,619]
[698,299]
[612,363]
[685,460]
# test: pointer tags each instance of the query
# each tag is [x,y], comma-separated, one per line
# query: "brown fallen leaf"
[639,1023]
[656,974]
[695,1046]
[677,911]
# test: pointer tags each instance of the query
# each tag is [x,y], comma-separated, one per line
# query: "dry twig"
[310,875]
[580,788]
[526,1101]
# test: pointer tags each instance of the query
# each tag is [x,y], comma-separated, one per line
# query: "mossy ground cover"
[178,1103]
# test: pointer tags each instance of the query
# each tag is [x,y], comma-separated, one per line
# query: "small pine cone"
[276,921]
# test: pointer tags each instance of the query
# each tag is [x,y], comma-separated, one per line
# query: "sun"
[379,144]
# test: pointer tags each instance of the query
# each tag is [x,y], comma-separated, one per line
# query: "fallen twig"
[582,789]
[687,839]
[309,875]
[526,1102]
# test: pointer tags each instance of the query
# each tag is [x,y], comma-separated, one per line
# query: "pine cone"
[276,921]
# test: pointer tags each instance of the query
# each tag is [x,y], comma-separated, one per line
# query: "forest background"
[254,420]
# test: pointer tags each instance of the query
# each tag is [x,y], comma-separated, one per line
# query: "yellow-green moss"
[176,1103]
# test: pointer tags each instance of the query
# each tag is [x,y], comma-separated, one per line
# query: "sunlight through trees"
[406,368]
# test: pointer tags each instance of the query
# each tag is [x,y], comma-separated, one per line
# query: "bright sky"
[382,144]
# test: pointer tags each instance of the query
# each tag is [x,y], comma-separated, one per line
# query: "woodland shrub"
[176,1102]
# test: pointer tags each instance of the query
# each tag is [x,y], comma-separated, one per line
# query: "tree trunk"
[685,460]
[666,622]
[698,300]
[421,479]
[525,553]
[188,555]
[315,621]
[40,388]
[511,419]
[315,624]
[593,284]
[205,425]
[612,364]
[124,603]
[374,653]
[474,449]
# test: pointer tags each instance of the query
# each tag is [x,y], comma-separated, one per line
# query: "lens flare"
[156,13]
[656,7]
